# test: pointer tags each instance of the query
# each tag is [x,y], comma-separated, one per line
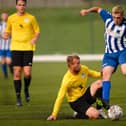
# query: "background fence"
[43,3]
[58,3]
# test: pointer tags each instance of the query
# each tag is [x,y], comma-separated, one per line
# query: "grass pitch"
[63,30]
[45,84]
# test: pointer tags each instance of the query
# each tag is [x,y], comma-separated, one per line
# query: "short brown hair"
[117,10]
[70,58]
[22,0]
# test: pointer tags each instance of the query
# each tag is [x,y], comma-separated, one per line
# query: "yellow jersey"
[22,30]
[73,86]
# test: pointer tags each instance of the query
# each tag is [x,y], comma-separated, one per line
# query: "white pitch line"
[62,58]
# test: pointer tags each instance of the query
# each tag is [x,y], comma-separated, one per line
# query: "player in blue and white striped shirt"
[115,44]
[5,53]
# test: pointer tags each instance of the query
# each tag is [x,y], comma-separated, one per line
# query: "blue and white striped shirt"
[115,35]
[4,44]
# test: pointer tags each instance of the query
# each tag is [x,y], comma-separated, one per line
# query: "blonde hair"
[117,10]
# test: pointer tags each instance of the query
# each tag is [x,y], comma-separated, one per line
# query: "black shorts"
[22,58]
[83,103]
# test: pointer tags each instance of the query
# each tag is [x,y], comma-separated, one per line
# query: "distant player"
[74,87]
[24,31]
[5,52]
[115,44]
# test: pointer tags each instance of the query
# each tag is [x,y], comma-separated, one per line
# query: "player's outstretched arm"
[84,12]
[51,118]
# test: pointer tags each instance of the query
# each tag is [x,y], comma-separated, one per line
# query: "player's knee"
[98,84]
[124,73]
[106,75]
[27,74]
[92,113]
[17,74]
[95,86]
[95,115]
[8,61]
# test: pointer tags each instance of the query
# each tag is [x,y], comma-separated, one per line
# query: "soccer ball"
[115,112]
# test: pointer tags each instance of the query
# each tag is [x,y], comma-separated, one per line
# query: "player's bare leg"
[123,69]
[9,63]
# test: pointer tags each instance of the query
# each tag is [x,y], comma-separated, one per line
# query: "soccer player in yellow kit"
[74,86]
[24,31]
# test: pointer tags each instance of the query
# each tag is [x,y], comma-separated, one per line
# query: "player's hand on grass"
[84,12]
[51,117]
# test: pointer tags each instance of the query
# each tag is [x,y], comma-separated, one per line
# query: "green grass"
[63,30]
[45,84]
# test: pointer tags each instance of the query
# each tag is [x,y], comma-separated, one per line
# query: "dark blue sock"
[4,69]
[106,85]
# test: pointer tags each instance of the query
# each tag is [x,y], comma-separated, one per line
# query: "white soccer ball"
[115,112]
